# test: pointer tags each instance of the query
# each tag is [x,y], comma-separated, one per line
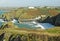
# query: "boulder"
[2,36]
[57,21]
[16,38]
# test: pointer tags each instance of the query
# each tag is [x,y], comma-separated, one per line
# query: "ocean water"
[21,25]
[34,26]
[47,25]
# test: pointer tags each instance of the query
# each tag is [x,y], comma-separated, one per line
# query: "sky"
[23,3]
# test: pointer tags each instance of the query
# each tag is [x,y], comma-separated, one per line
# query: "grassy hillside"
[22,13]
[31,35]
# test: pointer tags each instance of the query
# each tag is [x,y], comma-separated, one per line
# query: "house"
[39,17]
[31,7]
[43,15]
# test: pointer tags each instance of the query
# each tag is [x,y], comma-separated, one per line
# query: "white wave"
[39,25]
[1,20]
[14,21]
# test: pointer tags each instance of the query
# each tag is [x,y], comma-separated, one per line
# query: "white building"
[31,7]
[39,17]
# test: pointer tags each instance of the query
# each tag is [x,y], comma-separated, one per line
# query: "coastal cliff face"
[2,37]
[31,37]
[55,20]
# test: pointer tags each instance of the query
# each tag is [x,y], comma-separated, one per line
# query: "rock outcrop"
[55,20]
[16,38]
[2,37]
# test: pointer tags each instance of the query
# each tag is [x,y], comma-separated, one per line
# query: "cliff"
[55,20]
